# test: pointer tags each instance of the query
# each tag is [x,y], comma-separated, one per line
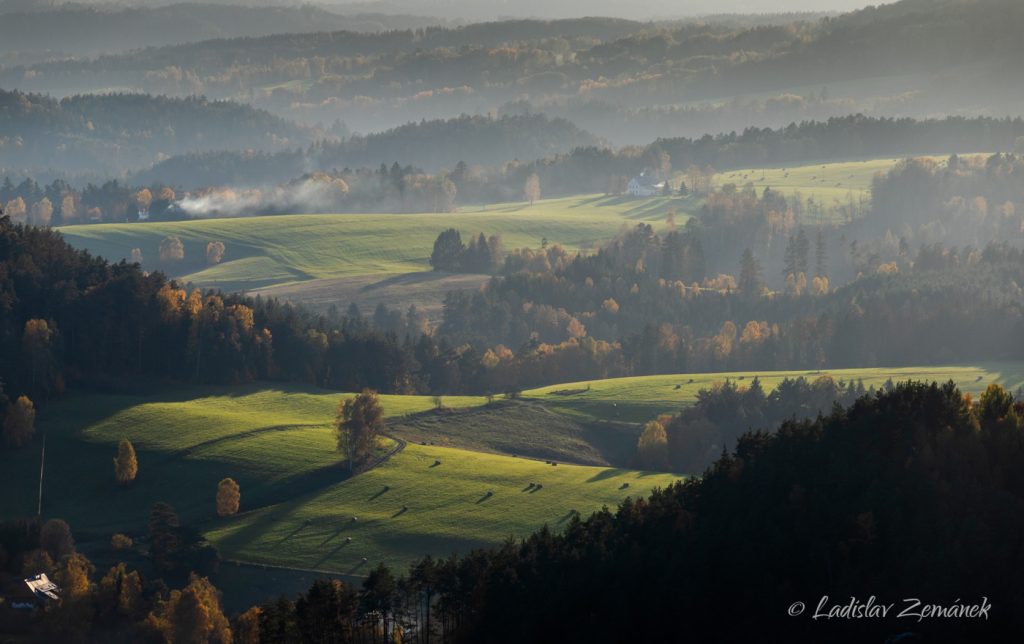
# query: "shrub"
[121,542]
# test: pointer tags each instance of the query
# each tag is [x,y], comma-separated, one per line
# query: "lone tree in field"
[359,421]
[20,423]
[532,188]
[172,249]
[229,496]
[652,447]
[214,252]
[126,465]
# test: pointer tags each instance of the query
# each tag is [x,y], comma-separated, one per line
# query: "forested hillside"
[101,135]
[80,28]
[628,82]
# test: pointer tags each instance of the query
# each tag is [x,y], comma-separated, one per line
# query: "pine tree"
[820,255]
[164,536]
[803,251]
[750,274]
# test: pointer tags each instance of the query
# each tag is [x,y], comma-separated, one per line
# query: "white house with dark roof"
[43,588]
[645,186]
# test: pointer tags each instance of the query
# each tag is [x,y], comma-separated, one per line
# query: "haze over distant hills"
[492,9]
[484,9]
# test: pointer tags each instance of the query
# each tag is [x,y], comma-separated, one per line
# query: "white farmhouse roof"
[42,587]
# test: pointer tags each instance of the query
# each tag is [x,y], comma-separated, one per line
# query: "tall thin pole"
[42,464]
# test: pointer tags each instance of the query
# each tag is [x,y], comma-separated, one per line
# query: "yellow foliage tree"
[214,252]
[68,209]
[229,497]
[652,448]
[247,627]
[120,591]
[193,614]
[531,189]
[126,465]
[121,542]
[172,249]
[16,210]
[20,423]
[42,212]
[72,575]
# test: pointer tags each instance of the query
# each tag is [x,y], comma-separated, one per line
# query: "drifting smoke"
[313,194]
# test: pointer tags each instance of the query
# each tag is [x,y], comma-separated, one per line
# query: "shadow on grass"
[484,498]
[332,536]
[292,533]
[604,475]
[382,491]
[330,554]
[589,201]
[399,513]
[568,515]
[356,567]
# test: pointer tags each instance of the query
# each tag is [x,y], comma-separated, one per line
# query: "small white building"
[42,587]
[645,186]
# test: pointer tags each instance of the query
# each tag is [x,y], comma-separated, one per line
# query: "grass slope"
[642,398]
[829,184]
[447,509]
[266,251]
[522,428]
[276,443]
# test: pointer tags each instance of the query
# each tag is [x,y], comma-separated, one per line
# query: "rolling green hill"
[267,251]
[277,443]
[828,184]
[411,505]
[298,501]
[642,398]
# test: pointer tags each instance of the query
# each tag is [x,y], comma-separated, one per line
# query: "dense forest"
[489,160]
[624,78]
[436,146]
[786,527]
[101,135]
[78,28]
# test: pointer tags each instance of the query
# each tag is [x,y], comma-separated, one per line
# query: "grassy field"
[297,499]
[642,398]
[293,249]
[411,505]
[827,183]
[523,428]
[275,442]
